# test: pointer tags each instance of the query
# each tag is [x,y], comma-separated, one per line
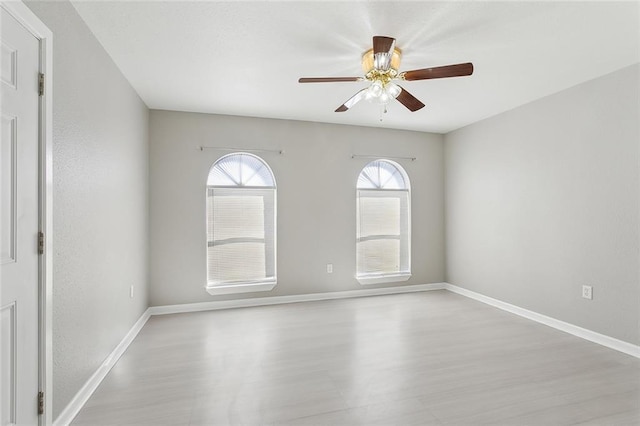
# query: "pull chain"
[383,110]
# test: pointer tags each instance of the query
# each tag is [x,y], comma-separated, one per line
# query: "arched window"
[241,225]
[383,240]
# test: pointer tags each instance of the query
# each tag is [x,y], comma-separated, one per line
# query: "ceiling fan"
[380,66]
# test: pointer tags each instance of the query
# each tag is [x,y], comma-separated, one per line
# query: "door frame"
[35,26]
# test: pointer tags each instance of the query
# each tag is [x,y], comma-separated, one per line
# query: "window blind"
[382,245]
[240,235]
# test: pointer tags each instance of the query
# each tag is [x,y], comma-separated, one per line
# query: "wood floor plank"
[422,358]
[401,412]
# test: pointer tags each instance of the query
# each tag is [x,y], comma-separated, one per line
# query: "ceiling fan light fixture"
[375,90]
[381,93]
[393,89]
[370,63]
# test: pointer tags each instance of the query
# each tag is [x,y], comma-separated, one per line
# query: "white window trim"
[235,287]
[241,287]
[383,278]
[399,276]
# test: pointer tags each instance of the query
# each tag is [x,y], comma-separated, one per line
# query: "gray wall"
[100,213]
[544,198]
[316,180]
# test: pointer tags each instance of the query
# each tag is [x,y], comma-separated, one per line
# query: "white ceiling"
[244,58]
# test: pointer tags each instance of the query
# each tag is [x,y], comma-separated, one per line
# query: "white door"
[18,224]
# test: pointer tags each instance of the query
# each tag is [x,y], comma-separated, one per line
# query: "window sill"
[380,279]
[217,290]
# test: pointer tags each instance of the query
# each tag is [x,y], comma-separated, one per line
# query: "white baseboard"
[277,300]
[73,408]
[592,336]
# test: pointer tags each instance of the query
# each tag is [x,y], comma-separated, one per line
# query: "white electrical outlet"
[587,292]
[329,268]
[131,292]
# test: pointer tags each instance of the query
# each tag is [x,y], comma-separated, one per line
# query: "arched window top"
[383,174]
[241,169]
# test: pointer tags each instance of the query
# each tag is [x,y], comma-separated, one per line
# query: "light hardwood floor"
[422,358]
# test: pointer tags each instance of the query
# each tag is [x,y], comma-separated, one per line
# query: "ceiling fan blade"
[352,101]
[382,52]
[457,70]
[411,102]
[327,79]
[382,44]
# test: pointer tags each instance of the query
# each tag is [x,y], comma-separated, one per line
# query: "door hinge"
[41,84]
[40,242]
[40,403]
